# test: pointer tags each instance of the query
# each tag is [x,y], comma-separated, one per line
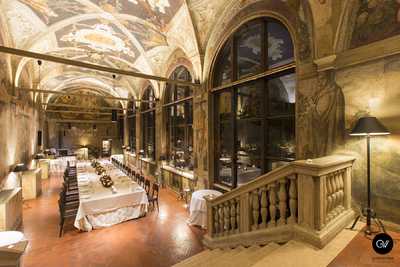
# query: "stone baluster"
[233,215]
[226,217]
[292,199]
[238,214]
[264,207]
[272,205]
[282,201]
[255,207]
[329,196]
[216,220]
[341,184]
[334,196]
[221,218]
[338,193]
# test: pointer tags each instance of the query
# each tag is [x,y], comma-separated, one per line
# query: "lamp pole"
[367,126]
[368,230]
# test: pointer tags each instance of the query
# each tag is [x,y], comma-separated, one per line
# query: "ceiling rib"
[78,112]
[81,121]
[70,94]
[82,107]
[29,54]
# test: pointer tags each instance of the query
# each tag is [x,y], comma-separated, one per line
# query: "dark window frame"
[171,104]
[262,75]
[148,122]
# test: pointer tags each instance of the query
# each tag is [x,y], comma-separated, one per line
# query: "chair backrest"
[155,190]
[147,186]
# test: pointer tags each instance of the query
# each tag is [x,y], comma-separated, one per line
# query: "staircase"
[291,254]
[304,205]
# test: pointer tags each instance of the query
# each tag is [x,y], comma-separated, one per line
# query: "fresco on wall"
[90,103]
[320,119]
[376,20]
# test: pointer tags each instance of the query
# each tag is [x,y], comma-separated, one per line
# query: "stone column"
[126,129]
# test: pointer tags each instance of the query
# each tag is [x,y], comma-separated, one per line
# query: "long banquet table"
[101,207]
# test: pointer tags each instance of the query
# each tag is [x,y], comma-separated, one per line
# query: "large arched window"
[254,102]
[132,125]
[179,116]
[148,112]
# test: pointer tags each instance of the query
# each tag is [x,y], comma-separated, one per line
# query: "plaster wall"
[374,88]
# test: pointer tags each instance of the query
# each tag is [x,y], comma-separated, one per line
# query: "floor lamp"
[369,126]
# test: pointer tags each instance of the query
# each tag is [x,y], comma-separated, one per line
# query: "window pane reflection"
[249,161]
[282,96]
[249,54]
[250,100]
[280,46]
[281,141]
[224,66]
[225,138]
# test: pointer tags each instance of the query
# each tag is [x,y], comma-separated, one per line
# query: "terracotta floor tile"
[159,239]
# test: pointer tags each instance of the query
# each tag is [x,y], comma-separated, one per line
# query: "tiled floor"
[159,239]
[359,253]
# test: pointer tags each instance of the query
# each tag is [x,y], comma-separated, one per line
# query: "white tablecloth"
[198,207]
[99,206]
[58,166]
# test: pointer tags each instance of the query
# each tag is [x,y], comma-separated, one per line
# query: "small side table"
[31,184]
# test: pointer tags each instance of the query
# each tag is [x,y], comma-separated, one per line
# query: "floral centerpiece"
[99,170]
[106,181]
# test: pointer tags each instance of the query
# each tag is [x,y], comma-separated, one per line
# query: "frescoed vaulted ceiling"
[127,34]
[136,35]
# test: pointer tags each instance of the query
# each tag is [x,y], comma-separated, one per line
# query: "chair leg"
[158,208]
[61,227]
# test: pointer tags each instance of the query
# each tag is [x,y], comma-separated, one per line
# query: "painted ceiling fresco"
[138,35]
[115,33]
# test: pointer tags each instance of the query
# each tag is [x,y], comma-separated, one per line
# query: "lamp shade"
[369,126]
[20,167]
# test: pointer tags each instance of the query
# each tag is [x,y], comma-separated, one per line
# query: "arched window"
[254,102]
[132,125]
[179,116]
[148,113]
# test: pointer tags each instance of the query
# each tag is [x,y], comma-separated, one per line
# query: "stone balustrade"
[308,200]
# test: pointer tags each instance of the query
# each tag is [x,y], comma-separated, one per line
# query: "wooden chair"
[154,196]
[141,182]
[67,209]
[147,186]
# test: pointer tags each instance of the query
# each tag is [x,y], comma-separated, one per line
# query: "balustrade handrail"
[315,167]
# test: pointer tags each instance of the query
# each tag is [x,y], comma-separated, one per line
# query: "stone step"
[253,254]
[204,255]
[299,254]
[223,259]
